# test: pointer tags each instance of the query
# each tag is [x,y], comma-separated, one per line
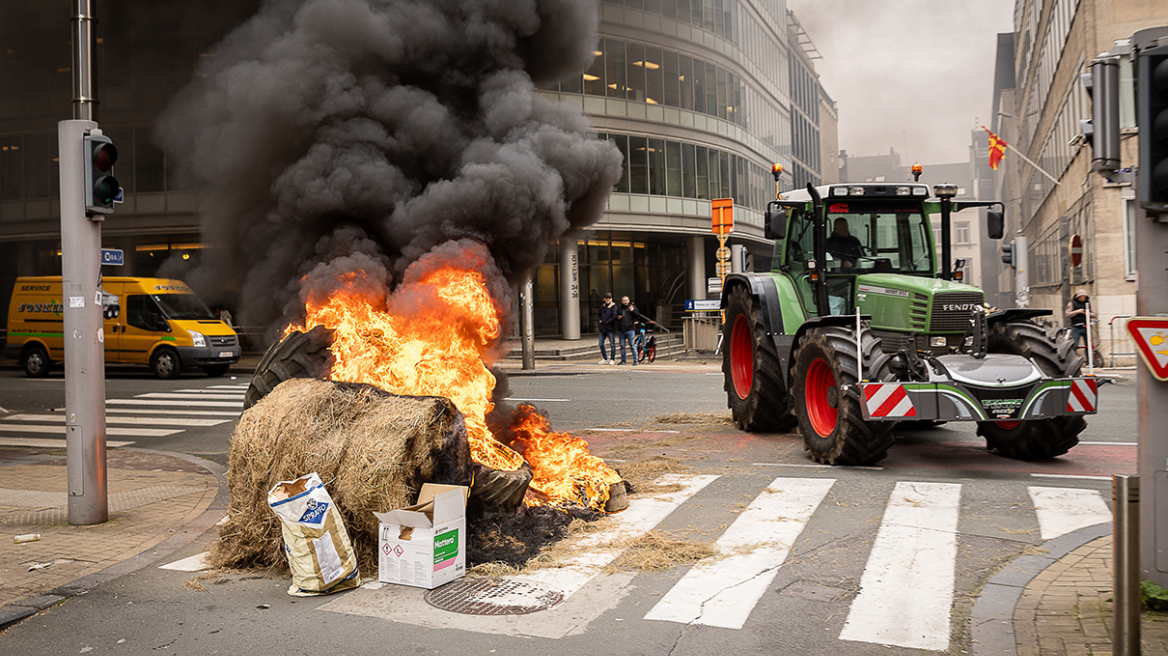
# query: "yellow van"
[151,321]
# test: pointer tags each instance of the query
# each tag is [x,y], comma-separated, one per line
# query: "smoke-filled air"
[330,137]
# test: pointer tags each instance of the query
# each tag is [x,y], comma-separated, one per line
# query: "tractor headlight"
[197,339]
[937,341]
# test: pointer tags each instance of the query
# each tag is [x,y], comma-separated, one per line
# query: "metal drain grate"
[492,597]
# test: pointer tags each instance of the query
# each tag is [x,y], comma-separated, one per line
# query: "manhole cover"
[492,597]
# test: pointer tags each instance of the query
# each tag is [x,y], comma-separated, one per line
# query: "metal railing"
[1111,332]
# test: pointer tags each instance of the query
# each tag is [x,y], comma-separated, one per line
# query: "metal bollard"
[1125,494]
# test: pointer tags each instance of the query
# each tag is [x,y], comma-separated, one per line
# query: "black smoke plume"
[331,136]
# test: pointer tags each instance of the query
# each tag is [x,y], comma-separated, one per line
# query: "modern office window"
[700,82]
[11,168]
[671,74]
[622,144]
[721,96]
[702,173]
[686,78]
[673,168]
[654,77]
[594,76]
[614,69]
[657,166]
[635,54]
[688,174]
[724,173]
[639,165]
[711,89]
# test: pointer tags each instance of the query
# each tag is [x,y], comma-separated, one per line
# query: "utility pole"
[81,289]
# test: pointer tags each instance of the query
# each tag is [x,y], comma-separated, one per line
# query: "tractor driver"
[843,245]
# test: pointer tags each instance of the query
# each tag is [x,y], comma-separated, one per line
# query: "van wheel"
[216,370]
[36,362]
[165,363]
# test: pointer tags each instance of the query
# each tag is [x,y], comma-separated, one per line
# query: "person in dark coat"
[1077,313]
[608,312]
[626,323]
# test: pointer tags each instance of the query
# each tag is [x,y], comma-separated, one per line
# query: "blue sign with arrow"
[112,257]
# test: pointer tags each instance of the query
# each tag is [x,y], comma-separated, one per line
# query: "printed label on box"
[445,549]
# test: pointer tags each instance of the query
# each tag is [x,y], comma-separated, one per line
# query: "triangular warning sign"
[1151,337]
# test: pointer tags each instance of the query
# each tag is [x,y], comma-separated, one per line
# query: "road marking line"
[47,443]
[1082,477]
[192,404]
[610,430]
[192,397]
[723,591]
[207,390]
[813,466]
[195,563]
[1064,509]
[230,387]
[596,550]
[2,409]
[906,590]
[1112,443]
[141,421]
[537,400]
[119,432]
[180,413]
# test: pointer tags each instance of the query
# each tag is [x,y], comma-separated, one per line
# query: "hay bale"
[372,449]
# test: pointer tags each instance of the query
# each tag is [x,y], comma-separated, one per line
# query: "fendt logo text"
[958,307]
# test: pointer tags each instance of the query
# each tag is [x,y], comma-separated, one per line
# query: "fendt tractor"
[858,327]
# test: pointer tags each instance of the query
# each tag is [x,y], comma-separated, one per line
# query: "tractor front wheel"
[755,389]
[828,399]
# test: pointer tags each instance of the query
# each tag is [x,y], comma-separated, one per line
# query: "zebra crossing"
[133,420]
[904,580]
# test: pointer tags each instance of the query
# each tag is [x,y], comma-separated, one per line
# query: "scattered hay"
[372,449]
[696,418]
[657,552]
[641,474]
[513,541]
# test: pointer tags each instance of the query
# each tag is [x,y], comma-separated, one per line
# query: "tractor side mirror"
[995,223]
[775,226]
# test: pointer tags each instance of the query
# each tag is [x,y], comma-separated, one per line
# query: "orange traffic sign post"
[1151,337]
[722,222]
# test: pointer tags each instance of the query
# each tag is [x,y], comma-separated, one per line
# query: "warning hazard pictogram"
[1151,337]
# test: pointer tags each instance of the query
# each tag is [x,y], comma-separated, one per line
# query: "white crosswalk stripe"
[146,416]
[1062,510]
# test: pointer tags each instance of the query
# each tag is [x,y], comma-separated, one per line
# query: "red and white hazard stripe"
[888,400]
[1082,396]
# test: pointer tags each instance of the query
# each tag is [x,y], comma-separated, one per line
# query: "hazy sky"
[913,75]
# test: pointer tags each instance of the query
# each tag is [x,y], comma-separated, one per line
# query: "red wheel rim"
[742,356]
[820,381]
[1008,425]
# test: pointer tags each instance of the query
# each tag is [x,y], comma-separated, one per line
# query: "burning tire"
[497,490]
[754,384]
[299,355]
[1054,353]
[831,420]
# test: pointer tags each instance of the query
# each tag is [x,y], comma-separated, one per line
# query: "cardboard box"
[424,545]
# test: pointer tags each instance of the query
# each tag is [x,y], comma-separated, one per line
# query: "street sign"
[1076,250]
[120,197]
[722,253]
[722,219]
[714,285]
[722,269]
[1151,337]
[712,305]
[112,257]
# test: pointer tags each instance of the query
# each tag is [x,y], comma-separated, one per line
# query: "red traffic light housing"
[101,187]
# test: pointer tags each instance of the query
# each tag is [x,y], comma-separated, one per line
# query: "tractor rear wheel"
[755,389]
[1054,353]
[828,400]
[297,355]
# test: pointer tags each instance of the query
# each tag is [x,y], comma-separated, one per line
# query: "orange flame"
[435,340]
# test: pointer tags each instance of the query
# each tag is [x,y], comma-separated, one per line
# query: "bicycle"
[646,349]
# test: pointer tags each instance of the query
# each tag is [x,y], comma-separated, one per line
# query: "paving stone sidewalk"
[153,498]
[1066,610]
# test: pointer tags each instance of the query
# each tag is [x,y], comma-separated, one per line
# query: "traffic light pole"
[84,339]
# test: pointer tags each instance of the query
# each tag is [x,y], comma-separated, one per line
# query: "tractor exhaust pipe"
[818,281]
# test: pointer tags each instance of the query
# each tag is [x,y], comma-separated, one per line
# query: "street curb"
[16,611]
[992,618]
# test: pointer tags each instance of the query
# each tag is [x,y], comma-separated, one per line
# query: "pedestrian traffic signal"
[1008,255]
[1152,115]
[101,187]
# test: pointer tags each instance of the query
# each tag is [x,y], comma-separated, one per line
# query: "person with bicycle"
[1077,313]
[626,324]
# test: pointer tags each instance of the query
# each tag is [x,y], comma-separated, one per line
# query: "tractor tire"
[299,355]
[755,389]
[830,418]
[1054,353]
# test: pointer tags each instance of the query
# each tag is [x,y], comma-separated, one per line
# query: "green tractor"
[857,327]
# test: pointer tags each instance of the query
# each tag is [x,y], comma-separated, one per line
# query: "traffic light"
[747,261]
[1152,115]
[1008,256]
[1101,131]
[101,187]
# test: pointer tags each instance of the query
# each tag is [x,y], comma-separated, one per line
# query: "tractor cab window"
[877,237]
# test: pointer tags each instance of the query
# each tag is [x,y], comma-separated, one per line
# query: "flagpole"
[1028,161]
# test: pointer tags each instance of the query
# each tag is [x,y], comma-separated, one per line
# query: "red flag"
[997,148]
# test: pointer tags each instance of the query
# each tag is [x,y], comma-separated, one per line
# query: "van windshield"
[183,306]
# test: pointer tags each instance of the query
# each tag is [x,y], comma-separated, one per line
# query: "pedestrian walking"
[626,323]
[1077,313]
[608,313]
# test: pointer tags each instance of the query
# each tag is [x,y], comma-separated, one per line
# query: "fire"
[435,340]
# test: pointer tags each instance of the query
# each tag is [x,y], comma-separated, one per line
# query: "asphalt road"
[973,512]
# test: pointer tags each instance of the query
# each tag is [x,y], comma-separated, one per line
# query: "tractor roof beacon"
[858,327]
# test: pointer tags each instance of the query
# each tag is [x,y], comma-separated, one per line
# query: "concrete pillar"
[696,267]
[569,289]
